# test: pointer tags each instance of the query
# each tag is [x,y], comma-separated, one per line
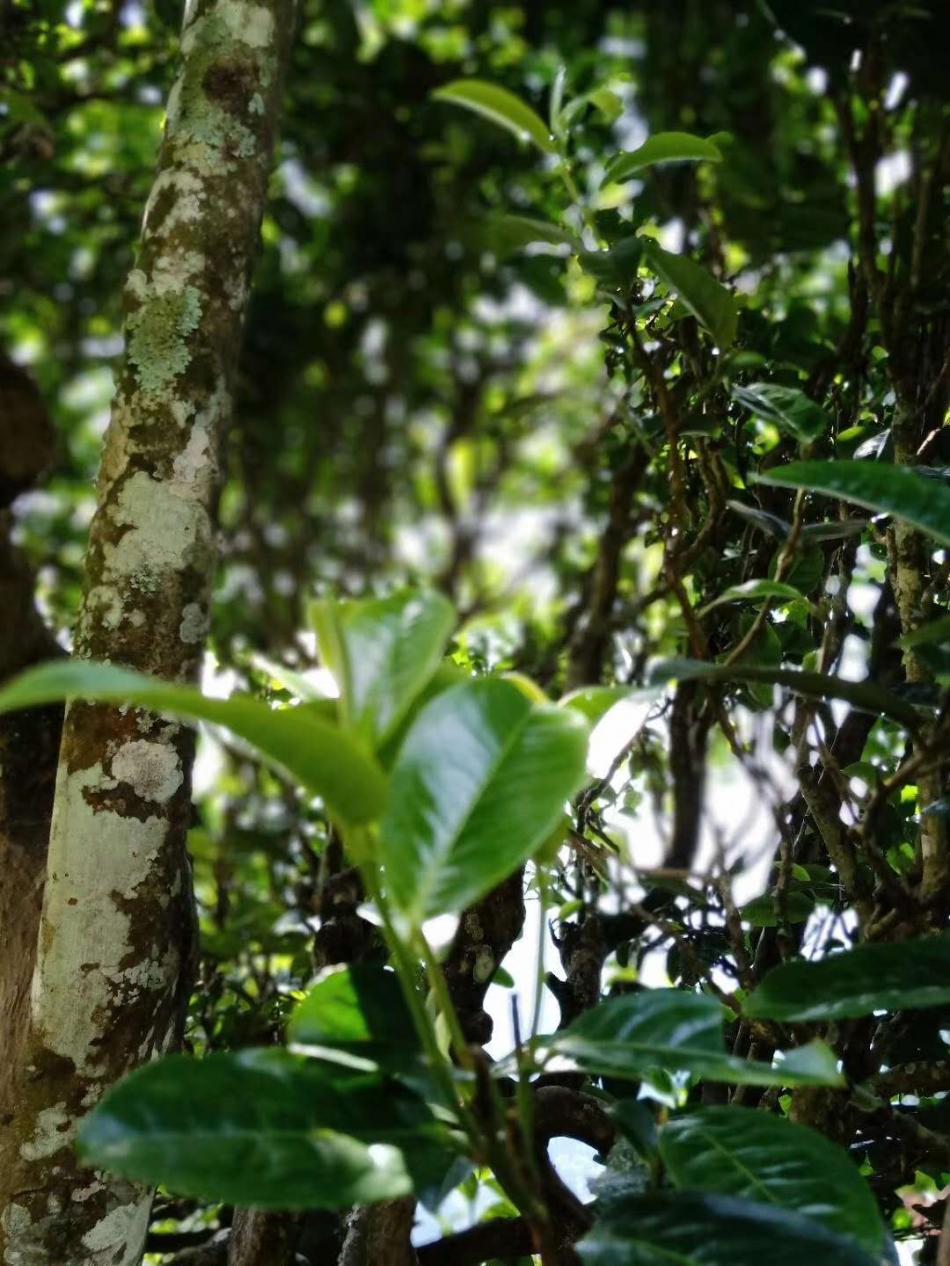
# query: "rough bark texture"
[114,940]
[378,1235]
[258,1236]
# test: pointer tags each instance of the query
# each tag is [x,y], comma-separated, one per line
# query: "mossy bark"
[115,935]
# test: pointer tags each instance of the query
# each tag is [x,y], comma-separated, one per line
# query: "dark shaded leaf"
[899,976]
[742,1152]
[264,1128]
[686,1229]
[918,499]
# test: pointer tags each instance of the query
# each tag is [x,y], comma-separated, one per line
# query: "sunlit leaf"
[662,147]
[501,107]
[788,408]
[382,651]
[325,760]
[755,590]
[359,1009]
[711,304]
[479,783]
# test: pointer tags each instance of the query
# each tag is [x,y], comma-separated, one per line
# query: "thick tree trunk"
[115,934]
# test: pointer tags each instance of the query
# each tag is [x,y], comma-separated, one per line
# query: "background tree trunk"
[29,741]
[115,937]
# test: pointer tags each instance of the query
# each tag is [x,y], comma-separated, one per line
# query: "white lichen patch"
[103,607]
[119,1236]
[195,467]
[175,270]
[181,411]
[484,964]
[136,284]
[166,532]
[194,623]
[152,770]
[80,1195]
[51,1133]
[249,24]
[184,190]
[98,860]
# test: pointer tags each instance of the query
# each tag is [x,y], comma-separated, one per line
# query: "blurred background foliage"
[418,403]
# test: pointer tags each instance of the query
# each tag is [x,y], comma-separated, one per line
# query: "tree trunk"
[115,937]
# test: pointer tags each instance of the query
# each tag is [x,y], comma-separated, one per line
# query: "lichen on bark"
[114,942]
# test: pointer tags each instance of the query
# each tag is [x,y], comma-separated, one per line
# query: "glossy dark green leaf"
[757,590]
[788,408]
[864,695]
[615,268]
[762,912]
[677,1031]
[899,976]
[920,500]
[499,105]
[771,524]
[713,306]
[743,1152]
[382,651]
[479,783]
[689,1229]
[833,530]
[264,1128]
[935,631]
[327,761]
[662,147]
[506,233]
[358,1008]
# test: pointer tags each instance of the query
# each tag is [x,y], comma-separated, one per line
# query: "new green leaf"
[738,1151]
[899,976]
[501,107]
[662,147]
[918,499]
[480,783]
[382,652]
[711,304]
[327,761]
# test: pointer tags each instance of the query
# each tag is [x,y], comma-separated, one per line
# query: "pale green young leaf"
[326,761]
[479,784]
[500,106]
[382,652]
[713,306]
[662,147]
